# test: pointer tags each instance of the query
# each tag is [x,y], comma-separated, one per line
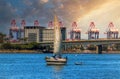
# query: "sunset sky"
[101,12]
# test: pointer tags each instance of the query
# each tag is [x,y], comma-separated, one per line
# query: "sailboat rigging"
[57,58]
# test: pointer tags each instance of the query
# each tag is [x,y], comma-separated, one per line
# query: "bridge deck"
[95,41]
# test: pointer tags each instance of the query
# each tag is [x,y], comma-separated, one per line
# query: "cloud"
[43,1]
[27,2]
[81,11]
[102,17]
[6,14]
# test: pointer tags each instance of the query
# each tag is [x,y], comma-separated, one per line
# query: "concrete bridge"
[97,42]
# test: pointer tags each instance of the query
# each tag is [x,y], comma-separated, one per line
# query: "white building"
[41,34]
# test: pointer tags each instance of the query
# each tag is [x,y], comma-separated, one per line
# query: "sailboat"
[57,58]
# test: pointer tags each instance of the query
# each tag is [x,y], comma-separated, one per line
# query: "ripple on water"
[33,66]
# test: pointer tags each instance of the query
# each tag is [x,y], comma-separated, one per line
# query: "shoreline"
[19,51]
[65,52]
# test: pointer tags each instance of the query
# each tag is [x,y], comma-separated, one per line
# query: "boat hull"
[56,61]
[78,63]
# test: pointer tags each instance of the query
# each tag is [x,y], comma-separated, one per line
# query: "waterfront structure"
[16,33]
[97,42]
[21,30]
[93,32]
[41,34]
[33,33]
[13,31]
[75,33]
[112,32]
[48,35]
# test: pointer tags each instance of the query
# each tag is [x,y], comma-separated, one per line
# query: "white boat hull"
[56,61]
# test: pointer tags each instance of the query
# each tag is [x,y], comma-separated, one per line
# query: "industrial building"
[93,32]
[33,33]
[112,32]
[16,33]
[75,33]
[37,33]
[41,34]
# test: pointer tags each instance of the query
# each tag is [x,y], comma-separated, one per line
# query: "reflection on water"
[57,70]
[33,66]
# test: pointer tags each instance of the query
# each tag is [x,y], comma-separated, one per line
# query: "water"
[33,66]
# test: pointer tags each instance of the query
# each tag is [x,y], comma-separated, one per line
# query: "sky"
[101,12]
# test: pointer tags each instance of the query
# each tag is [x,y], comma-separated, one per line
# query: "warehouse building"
[41,34]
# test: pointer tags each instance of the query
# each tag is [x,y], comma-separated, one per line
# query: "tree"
[2,36]
[6,46]
[16,46]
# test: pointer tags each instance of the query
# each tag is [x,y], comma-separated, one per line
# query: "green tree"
[6,46]
[2,36]
[16,46]
[34,45]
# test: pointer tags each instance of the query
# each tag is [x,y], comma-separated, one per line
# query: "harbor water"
[33,66]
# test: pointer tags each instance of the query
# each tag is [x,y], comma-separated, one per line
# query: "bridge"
[97,42]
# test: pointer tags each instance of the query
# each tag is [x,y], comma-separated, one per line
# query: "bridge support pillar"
[99,49]
[65,47]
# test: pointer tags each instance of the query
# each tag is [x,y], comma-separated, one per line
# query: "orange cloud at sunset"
[101,12]
[102,16]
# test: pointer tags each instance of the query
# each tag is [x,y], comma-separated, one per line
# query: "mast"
[57,36]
